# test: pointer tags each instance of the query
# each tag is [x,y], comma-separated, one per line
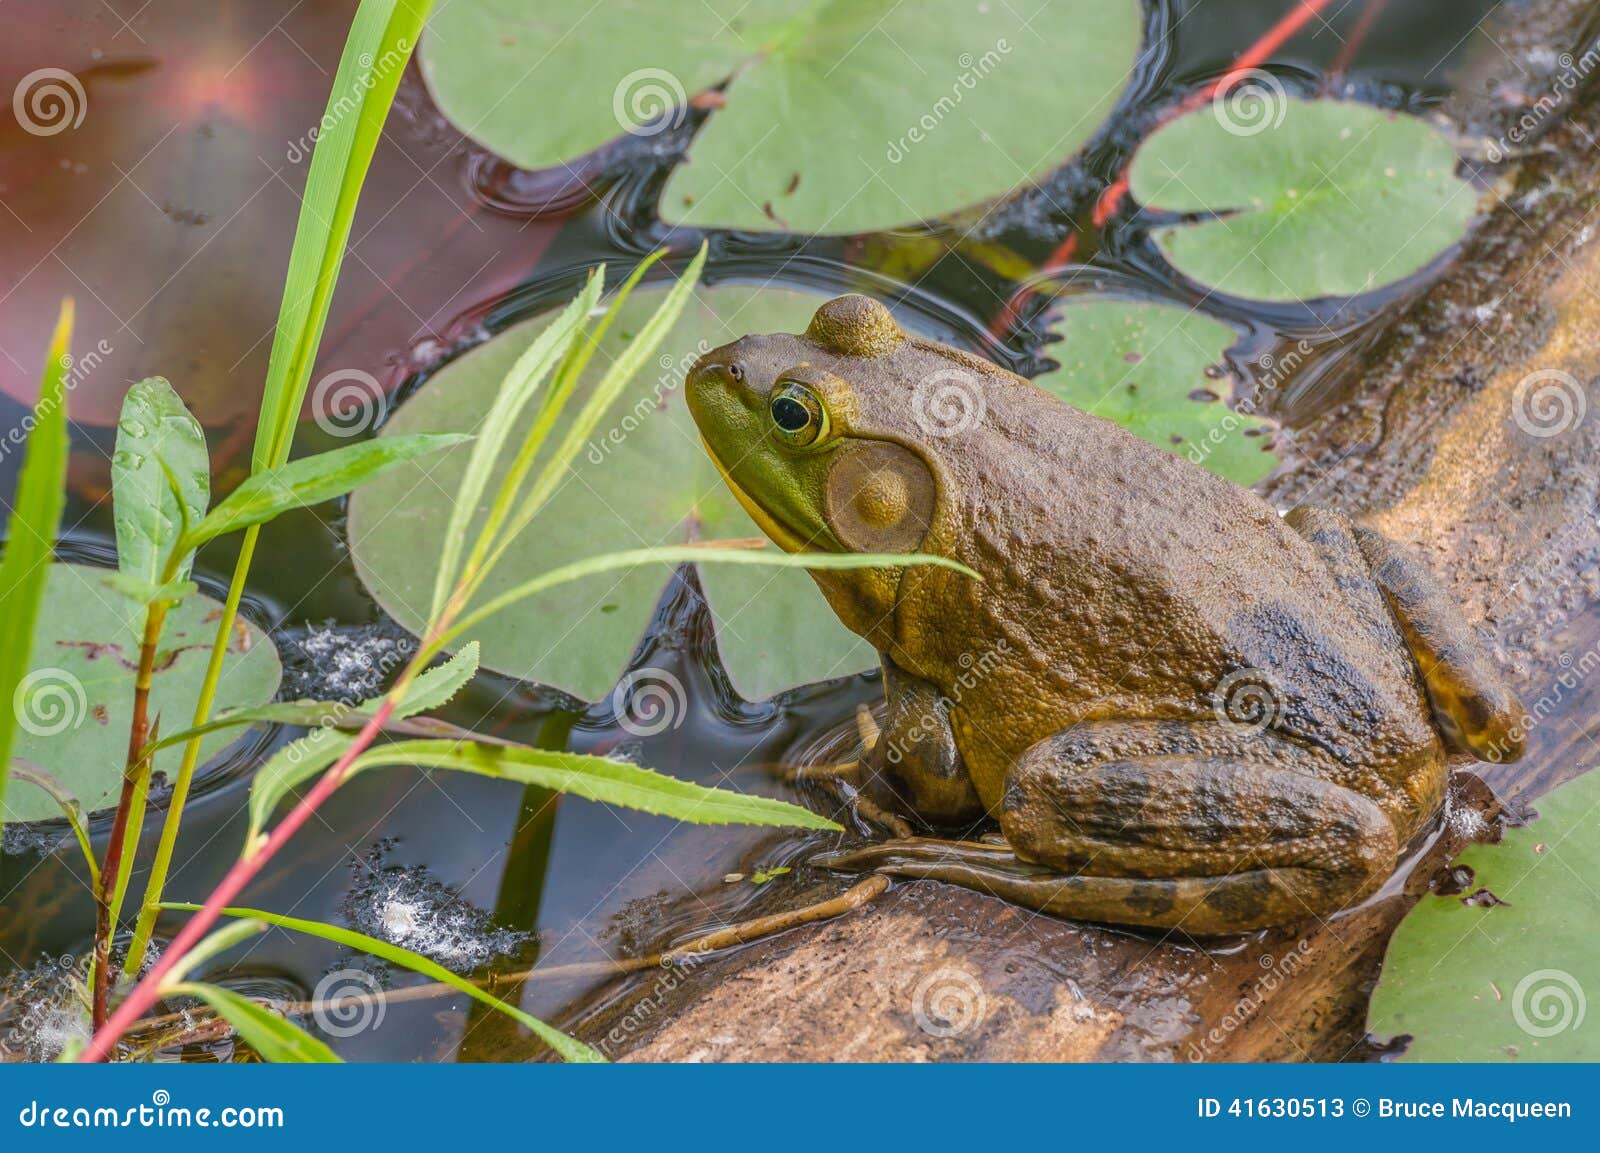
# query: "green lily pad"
[1314,198]
[75,706]
[839,117]
[643,480]
[1156,370]
[1505,969]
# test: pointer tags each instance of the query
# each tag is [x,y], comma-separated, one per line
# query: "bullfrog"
[1182,709]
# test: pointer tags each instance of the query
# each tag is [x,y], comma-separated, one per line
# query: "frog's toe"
[912,856]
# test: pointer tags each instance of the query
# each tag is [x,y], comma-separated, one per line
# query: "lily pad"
[840,117]
[75,705]
[1504,969]
[1157,370]
[1318,198]
[643,479]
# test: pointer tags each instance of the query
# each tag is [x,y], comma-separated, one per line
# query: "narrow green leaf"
[312,480]
[380,43]
[275,1038]
[519,385]
[569,1048]
[597,779]
[71,808]
[214,944]
[160,481]
[300,760]
[695,554]
[31,532]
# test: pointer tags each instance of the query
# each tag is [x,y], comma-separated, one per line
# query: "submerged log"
[1473,438]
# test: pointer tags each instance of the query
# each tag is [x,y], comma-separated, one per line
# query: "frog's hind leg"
[1472,705]
[1209,843]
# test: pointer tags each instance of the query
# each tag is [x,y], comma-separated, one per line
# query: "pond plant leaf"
[839,117]
[160,480]
[643,480]
[30,542]
[1505,968]
[569,1048]
[275,1038]
[1157,370]
[1318,198]
[75,704]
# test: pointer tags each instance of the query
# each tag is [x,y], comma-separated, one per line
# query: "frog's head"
[817,437]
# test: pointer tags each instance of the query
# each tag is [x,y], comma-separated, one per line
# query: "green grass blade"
[380,42]
[596,779]
[551,346]
[569,1048]
[31,533]
[71,809]
[707,553]
[277,1039]
[312,480]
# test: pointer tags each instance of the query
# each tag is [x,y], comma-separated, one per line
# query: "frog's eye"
[797,414]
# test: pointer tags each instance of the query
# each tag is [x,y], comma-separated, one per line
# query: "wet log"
[1474,438]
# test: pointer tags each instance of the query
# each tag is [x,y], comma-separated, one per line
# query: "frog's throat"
[780,535]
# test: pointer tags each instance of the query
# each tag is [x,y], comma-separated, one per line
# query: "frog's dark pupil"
[789,414]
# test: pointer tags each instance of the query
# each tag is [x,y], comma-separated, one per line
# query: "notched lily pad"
[643,479]
[75,705]
[1316,198]
[1157,370]
[841,117]
[1504,967]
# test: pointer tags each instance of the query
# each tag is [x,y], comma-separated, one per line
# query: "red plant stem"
[1358,34]
[148,991]
[1106,206]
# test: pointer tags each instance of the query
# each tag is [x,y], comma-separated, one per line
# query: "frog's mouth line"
[781,535]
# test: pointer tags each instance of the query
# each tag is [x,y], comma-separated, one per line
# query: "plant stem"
[134,771]
[145,927]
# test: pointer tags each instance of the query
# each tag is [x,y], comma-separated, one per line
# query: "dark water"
[488,876]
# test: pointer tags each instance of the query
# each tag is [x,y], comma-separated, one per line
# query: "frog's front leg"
[1193,826]
[915,756]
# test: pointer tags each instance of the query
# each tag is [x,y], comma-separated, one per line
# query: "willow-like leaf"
[276,1038]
